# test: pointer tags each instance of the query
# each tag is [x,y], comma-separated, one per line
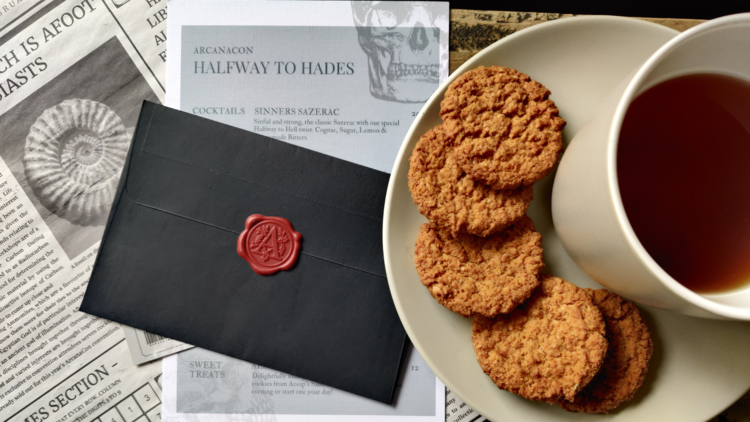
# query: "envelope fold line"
[237,233]
[343,265]
[178,215]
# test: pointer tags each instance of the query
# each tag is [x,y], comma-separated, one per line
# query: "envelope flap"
[218,175]
[258,159]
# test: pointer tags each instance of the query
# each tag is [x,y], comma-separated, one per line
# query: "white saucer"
[699,366]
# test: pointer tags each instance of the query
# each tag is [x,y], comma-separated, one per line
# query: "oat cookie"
[626,364]
[452,200]
[511,134]
[546,349]
[472,275]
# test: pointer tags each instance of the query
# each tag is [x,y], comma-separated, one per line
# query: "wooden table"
[473,30]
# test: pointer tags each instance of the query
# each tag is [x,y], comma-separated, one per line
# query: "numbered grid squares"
[146,398]
[155,415]
[141,406]
[112,415]
[129,409]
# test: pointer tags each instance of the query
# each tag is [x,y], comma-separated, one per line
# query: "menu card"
[344,79]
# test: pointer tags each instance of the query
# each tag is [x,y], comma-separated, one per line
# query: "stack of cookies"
[472,177]
[480,256]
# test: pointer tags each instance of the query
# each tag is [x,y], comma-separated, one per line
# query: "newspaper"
[13,13]
[73,75]
[458,411]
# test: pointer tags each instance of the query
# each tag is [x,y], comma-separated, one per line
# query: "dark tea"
[683,164]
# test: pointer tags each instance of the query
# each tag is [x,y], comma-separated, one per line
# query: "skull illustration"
[404,48]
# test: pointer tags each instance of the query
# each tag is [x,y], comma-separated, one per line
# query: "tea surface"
[683,164]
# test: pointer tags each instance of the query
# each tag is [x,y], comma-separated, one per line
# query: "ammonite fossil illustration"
[73,158]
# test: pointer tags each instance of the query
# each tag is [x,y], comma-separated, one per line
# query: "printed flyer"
[345,79]
[347,83]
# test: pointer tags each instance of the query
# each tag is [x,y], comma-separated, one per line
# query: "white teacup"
[586,206]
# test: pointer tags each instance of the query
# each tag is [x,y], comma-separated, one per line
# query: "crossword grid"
[141,406]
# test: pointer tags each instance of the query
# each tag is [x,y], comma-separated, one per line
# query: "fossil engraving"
[73,158]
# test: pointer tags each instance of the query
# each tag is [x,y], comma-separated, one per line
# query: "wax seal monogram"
[269,244]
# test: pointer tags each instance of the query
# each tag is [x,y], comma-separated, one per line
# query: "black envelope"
[168,262]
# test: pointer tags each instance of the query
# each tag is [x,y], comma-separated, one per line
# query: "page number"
[414,368]
[414,113]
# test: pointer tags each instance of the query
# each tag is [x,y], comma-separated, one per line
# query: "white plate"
[699,366]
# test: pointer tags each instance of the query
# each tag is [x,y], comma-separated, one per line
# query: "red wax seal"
[269,244]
